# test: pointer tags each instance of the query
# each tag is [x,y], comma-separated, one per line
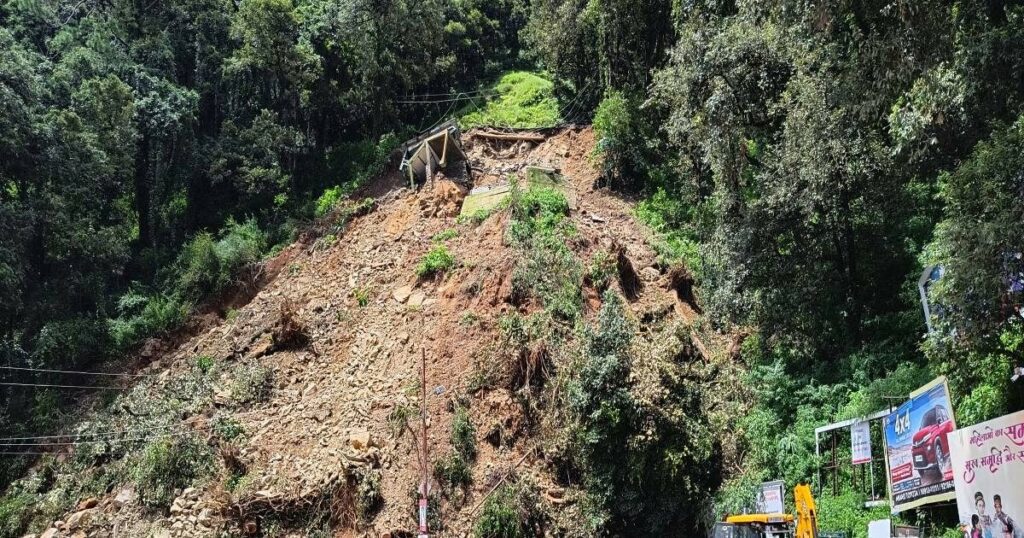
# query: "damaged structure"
[437,149]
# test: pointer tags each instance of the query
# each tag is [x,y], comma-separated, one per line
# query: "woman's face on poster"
[980,505]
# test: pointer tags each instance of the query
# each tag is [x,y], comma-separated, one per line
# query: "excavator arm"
[806,512]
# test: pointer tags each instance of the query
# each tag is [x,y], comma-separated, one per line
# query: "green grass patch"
[169,464]
[362,296]
[602,270]
[450,233]
[511,512]
[438,260]
[523,100]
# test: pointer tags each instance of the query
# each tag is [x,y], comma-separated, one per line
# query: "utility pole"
[425,484]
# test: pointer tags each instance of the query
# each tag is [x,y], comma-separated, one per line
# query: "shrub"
[362,296]
[252,384]
[205,363]
[326,202]
[538,210]
[227,427]
[463,434]
[453,471]
[168,464]
[524,100]
[70,343]
[142,316]
[602,270]
[205,266]
[240,244]
[398,418]
[15,514]
[643,451]
[198,267]
[368,497]
[510,512]
[438,260]
[445,235]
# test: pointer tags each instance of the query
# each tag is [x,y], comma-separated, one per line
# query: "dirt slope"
[363,362]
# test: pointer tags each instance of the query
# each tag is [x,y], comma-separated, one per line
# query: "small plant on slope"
[438,260]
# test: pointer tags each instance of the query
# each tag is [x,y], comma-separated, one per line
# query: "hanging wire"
[25,369]
[433,101]
[97,434]
[450,94]
[87,387]
[182,433]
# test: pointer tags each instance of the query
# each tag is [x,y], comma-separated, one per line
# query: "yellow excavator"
[803,525]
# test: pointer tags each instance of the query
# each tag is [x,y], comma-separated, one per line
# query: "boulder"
[78,519]
[360,440]
[88,503]
[402,294]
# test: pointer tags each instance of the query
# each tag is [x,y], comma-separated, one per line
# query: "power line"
[101,387]
[96,442]
[97,434]
[451,94]
[25,369]
[433,101]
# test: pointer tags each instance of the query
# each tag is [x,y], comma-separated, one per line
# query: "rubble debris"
[517,137]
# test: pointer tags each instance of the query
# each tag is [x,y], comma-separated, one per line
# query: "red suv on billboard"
[931,449]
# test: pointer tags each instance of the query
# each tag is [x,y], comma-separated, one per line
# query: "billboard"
[988,467]
[770,498]
[860,441]
[917,448]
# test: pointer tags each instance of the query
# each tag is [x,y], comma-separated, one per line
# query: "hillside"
[340,410]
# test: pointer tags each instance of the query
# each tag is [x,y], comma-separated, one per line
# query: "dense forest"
[804,160]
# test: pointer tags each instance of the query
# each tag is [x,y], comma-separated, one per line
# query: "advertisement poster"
[988,467]
[770,498]
[881,528]
[917,448]
[860,439]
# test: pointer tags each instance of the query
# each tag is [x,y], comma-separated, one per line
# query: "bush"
[169,464]
[524,100]
[463,434]
[510,512]
[538,210]
[205,266]
[643,449]
[205,363]
[71,343]
[602,271]
[142,316]
[453,472]
[445,235]
[227,427]
[368,497]
[198,268]
[240,244]
[438,260]
[326,202]
[252,384]
[15,514]
[548,270]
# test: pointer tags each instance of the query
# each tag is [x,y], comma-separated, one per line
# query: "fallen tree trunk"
[518,137]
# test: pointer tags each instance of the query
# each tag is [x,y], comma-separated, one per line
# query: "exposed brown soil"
[341,369]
